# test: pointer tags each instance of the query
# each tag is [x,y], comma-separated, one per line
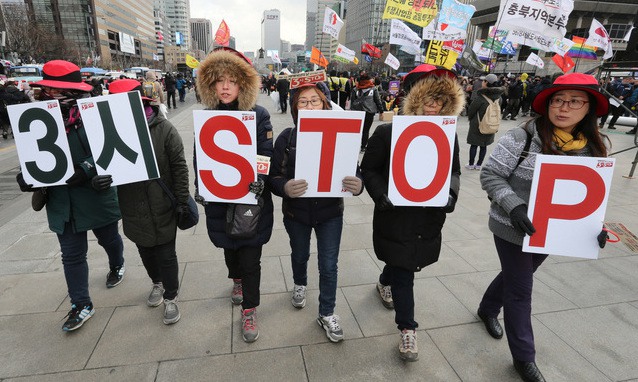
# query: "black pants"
[367,123]
[334,96]
[343,97]
[512,107]
[245,264]
[283,101]
[161,265]
[169,95]
[512,290]
[402,283]
[482,152]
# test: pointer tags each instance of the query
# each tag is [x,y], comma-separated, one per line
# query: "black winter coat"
[216,212]
[405,237]
[475,113]
[309,211]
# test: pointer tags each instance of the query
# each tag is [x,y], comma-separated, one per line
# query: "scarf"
[365,84]
[564,141]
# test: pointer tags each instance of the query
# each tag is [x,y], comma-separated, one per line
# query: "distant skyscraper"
[202,35]
[178,13]
[311,22]
[271,30]
[324,42]
[365,23]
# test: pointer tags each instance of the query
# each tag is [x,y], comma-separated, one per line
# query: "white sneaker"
[385,292]
[469,166]
[331,325]
[298,296]
[408,349]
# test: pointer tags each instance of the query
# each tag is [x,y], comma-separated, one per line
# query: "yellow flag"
[191,62]
[417,12]
[436,55]
[356,61]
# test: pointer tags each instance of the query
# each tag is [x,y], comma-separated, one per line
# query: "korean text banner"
[533,59]
[567,204]
[547,18]
[437,55]
[417,140]
[455,15]
[439,32]
[392,61]
[417,12]
[401,34]
[327,150]
[43,149]
[226,154]
[344,54]
[332,23]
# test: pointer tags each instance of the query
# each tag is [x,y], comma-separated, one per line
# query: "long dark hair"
[294,109]
[588,126]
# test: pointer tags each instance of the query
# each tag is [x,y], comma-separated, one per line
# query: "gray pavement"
[585,312]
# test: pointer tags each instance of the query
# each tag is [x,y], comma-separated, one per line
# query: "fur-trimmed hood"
[220,63]
[447,89]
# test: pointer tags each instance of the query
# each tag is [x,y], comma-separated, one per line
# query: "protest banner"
[344,54]
[599,38]
[564,63]
[417,140]
[222,36]
[436,55]
[298,79]
[316,57]
[418,12]
[332,23]
[393,87]
[567,204]
[392,61]
[455,46]
[119,138]
[561,46]
[401,34]
[534,60]
[226,153]
[327,150]
[410,49]
[40,136]
[545,18]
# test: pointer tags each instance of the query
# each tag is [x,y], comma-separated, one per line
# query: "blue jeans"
[74,246]
[182,94]
[328,242]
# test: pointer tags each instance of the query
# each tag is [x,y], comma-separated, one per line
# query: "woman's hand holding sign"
[295,188]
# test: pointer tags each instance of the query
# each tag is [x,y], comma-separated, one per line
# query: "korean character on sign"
[544,16]
[512,9]
[560,23]
[535,13]
[551,19]
[524,11]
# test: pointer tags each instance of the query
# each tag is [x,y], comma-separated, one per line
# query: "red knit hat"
[572,81]
[60,74]
[127,85]
[424,70]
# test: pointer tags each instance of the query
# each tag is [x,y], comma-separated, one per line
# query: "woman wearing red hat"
[148,216]
[227,81]
[408,239]
[567,125]
[79,206]
[302,215]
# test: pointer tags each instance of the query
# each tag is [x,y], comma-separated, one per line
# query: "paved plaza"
[585,312]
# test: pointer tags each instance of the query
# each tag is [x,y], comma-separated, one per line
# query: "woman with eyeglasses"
[302,215]
[567,125]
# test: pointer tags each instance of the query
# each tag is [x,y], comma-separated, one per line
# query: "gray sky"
[244,19]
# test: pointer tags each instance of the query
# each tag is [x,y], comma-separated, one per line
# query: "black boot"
[632,131]
[528,371]
[492,325]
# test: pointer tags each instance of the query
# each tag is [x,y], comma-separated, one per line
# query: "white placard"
[43,150]
[567,204]
[226,151]
[328,144]
[401,34]
[119,137]
[392,61]
[332,23]
[421,160]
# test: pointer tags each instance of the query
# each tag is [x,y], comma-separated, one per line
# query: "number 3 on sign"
[43,150]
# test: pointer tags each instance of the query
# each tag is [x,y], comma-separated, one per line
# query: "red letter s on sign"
[206,137]
[544,209]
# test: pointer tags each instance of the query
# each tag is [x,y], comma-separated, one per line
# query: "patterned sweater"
[508,185]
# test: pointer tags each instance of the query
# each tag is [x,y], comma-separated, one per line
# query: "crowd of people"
[407,239]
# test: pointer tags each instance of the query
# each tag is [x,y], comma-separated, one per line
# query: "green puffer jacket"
[82,206]
[147,215]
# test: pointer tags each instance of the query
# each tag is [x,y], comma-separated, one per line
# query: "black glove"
[384,203]
[78,178]
[520,221]
[101,182]
[451,204]
[182,213]
[24,187]
[256,188]
[602,238]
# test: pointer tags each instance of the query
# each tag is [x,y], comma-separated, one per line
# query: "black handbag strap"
[168,192]
[284,161]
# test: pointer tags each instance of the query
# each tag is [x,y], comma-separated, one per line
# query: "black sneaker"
[115,276]
[77,316]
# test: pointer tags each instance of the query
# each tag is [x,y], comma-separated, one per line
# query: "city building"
[163,35]
[271,30]
[325,42]
[202,34]
[311,22]
[365,23]
[178,14]
[285,46]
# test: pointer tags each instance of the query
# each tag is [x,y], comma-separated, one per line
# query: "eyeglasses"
[573,104]
[313,102]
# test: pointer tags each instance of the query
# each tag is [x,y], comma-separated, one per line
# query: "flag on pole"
[628,35]
[418,12]
[564,63]
[344,54]
[599,38]
[191,62]
[581,50]
[222,37]
[316,57]
[533,59]
[392,61]
[332,23]
[401,34]
[370,50]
